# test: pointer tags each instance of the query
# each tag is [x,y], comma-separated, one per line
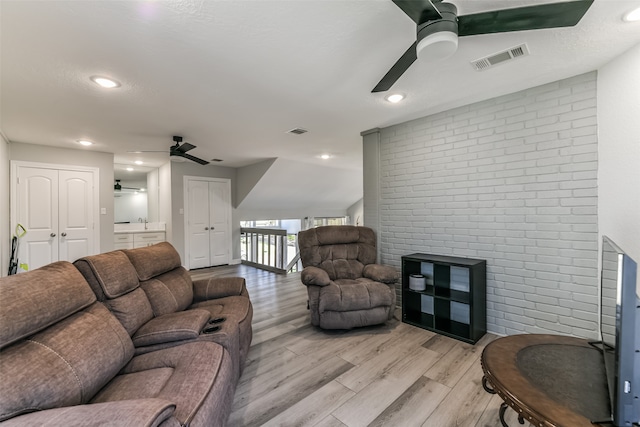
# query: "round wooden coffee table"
[549,380]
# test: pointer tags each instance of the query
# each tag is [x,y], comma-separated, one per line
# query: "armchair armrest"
[218,287]
[139,412]
[381,273]
[315,276]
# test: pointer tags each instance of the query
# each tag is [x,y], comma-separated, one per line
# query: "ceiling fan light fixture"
[438,45]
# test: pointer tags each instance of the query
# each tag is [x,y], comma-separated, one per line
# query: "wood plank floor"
[388,375]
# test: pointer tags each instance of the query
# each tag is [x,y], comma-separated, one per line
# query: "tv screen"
[620,332]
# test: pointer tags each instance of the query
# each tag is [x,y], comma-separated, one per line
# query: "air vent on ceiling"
[500,57]
[297,131]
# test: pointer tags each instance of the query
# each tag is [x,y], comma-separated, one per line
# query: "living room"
[529,178]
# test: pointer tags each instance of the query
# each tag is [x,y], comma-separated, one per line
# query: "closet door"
[219,230]
[198,223]
[37,211]
[75,214]
[57,209]
[208,222]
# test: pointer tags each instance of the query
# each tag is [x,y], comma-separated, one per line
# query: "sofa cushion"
[182,325]
[29,302]
[139,413]
[110,274]
[169,292]
[151,261]
[184,375]
[64,365]
[133,310]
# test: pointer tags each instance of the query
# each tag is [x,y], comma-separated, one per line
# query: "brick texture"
[512,180]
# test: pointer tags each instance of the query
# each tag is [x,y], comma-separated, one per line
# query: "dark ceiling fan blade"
[190,157]
[551,15]
[420,11]
[397,70]
[185,147]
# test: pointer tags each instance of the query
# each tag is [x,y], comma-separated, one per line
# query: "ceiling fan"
[118,187]
[439,26]
[179,150]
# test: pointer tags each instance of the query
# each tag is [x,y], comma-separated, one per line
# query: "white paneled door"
[56,207]
[208,220]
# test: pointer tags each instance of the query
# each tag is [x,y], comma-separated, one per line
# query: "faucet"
[145,223]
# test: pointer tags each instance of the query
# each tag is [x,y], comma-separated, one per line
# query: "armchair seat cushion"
[358,294]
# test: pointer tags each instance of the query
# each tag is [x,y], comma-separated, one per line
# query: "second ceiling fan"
[439,26]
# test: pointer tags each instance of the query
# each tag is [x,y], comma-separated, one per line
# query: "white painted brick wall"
[511,180]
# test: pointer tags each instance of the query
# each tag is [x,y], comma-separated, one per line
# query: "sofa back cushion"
[341,250]
[64,365]
[32,301]
[114,280]
[169,292]
[151,261]
[110,275]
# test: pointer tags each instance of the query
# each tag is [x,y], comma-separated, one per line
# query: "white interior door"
[219,230]
[37,211]
[58,208]
[75,214]
[208,221]
[198,223]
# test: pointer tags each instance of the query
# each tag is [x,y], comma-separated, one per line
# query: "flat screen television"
[620,333]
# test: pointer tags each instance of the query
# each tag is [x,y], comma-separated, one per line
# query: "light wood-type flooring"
[388,375]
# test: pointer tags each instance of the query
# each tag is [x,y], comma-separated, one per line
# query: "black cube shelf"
[450,298]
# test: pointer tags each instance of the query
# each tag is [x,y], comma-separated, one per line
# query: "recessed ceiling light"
[138,162]
[105,82]
[394,98]
[632,16]
[130,169]
[325,156]
[84,142]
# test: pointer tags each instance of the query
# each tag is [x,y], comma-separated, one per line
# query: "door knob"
[206,228]
[64,234]
[52,234]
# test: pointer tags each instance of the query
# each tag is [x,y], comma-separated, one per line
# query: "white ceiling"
[232,77]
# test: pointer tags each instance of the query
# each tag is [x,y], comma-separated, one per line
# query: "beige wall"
[65,156]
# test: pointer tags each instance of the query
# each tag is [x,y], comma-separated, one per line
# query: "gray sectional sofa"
[123,338]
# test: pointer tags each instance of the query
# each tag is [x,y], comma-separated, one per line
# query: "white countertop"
[137,231]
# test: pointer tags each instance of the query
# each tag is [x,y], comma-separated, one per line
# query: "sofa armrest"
[315,276]
[178,326]
[139,412]
[218,287]
[381,273]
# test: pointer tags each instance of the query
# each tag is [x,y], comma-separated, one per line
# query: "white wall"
[619,152]
[356,213]
[5,224]
[511,180]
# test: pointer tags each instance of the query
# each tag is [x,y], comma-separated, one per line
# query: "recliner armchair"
[346,288]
